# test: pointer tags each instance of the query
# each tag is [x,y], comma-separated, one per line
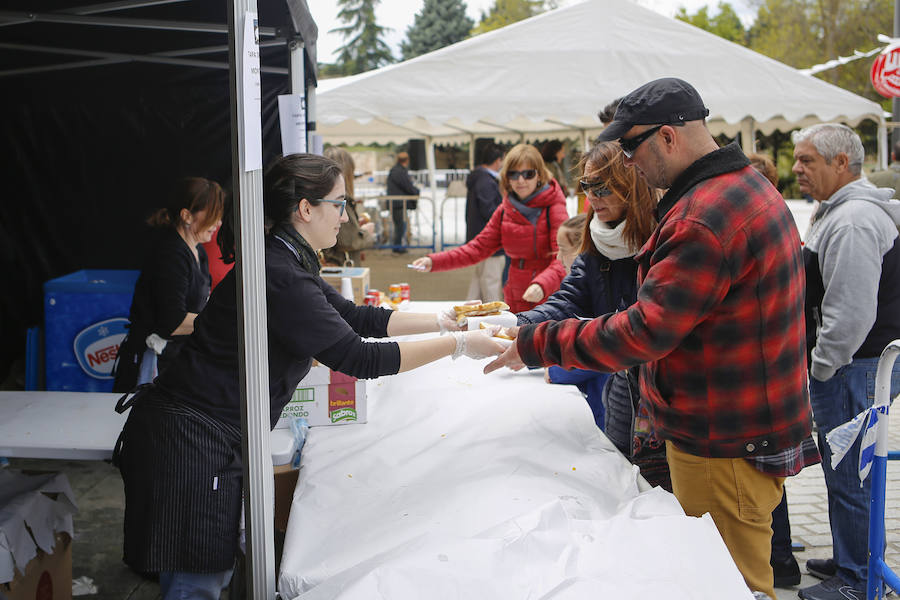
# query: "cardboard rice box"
[359,279]
[326,397]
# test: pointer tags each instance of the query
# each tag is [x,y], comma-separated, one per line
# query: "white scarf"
[609,241]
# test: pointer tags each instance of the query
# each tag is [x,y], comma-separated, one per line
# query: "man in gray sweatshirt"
[852,258]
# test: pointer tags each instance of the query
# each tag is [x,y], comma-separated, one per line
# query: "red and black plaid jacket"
[718,319]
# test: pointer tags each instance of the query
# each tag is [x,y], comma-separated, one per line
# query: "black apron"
[183,484]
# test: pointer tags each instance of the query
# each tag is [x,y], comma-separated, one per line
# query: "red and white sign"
[886,74]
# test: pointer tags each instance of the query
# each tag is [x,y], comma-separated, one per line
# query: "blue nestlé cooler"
[85,319]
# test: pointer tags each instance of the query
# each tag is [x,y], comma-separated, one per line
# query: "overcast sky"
[399,14]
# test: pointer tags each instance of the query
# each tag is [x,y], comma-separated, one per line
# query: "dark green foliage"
[363,49]
[439,23]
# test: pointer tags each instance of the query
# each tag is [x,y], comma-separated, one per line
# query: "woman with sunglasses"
[603,279]
[180,449]
[524,226]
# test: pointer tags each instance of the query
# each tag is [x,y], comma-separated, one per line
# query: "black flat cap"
[662,101]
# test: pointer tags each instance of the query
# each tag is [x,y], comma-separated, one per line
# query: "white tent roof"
[548,76]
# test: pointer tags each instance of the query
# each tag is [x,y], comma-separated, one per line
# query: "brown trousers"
[740,499]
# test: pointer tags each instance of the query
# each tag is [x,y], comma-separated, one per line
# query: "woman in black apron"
[174,283]
[180,449]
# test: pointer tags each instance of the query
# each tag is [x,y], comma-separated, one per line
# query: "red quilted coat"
[531,248]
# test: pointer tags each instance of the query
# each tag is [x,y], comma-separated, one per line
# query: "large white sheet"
[471,486]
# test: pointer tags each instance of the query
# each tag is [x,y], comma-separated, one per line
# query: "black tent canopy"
[104,104]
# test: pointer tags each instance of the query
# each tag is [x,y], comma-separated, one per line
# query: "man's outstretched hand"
[510,357]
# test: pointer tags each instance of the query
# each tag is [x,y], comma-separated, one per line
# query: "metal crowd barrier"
[417,222]
[879,573]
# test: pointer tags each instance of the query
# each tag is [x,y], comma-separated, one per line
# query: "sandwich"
[478,310]
[502,333]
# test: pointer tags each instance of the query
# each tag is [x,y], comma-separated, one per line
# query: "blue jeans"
[834,402]
[176,585]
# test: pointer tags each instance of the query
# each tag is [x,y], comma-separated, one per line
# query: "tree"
[364,50]
[439,23]
[725,24]
[803,33]
[505,12]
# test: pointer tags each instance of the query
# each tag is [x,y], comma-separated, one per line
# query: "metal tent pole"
[895,102]
[432,174]
[748,135]
[296,73]
[251,304]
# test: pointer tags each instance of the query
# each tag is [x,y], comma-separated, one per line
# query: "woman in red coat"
[524,226]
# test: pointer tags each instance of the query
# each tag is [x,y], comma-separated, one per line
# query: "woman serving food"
[180,449]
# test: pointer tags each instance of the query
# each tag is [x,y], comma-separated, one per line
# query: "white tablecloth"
[469,486]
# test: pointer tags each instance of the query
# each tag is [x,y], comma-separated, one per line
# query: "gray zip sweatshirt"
[850,234]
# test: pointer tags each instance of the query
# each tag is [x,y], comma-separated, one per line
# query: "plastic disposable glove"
[446,319]
[478,344]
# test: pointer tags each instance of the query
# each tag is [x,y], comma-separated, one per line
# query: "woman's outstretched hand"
[534,293]
[479,343]
[423,264]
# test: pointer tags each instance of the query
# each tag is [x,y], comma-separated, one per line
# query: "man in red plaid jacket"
[718,325]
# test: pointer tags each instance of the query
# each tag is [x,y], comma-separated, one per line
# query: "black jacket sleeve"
[312,320]
[172,271]
[400,183]
[488,197]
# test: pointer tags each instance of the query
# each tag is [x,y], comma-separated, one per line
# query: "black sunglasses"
[526,174]
[597,188]
[630,145]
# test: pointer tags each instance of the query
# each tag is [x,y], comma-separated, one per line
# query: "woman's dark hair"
[549,150]
[287,181]
[605,161]
[608,112]
[194,194]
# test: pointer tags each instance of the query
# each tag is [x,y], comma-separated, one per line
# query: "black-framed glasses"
[526,174]
[597,188]
[341,204]
[630,145]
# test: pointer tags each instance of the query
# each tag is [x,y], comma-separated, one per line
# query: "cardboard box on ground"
[285,482]
[36,530]
[46,577]
[359,279]
[323,397]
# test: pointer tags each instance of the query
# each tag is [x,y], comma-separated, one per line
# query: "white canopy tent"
[548,76]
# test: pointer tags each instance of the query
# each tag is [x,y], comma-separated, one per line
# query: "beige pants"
[487,280]
[740,499]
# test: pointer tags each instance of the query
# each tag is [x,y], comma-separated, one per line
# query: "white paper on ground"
[23,507]
[471,486]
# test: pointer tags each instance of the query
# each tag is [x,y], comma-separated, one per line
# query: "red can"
[404,291]
[373,298]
